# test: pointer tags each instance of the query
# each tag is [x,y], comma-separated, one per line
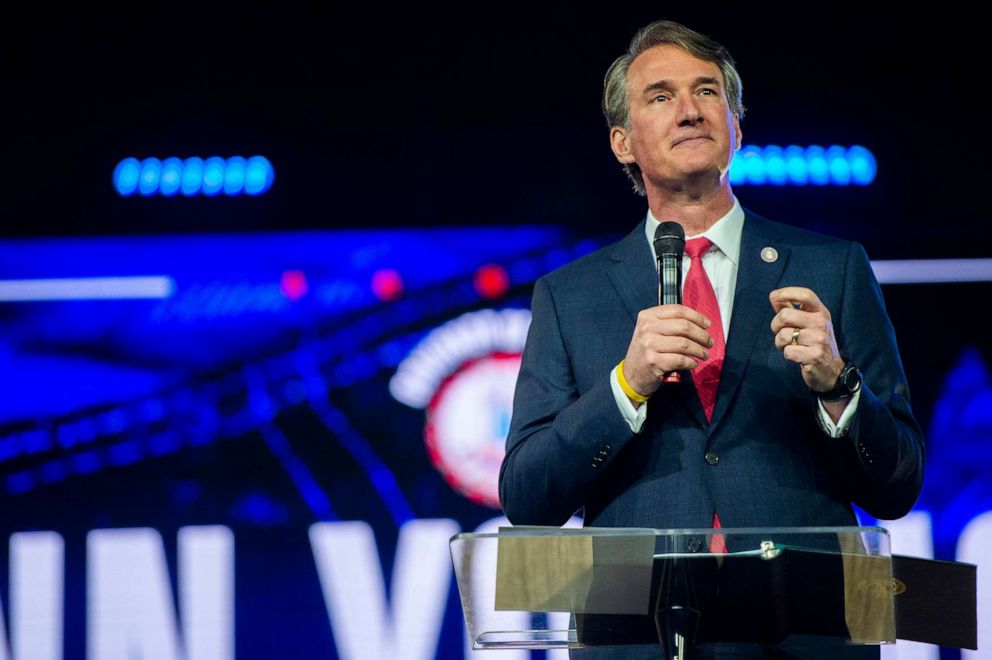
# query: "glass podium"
[551,588]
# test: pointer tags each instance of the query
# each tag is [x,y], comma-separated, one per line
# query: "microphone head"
[669,239]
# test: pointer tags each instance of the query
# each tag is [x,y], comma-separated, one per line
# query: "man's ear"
[620,144]
[737,132]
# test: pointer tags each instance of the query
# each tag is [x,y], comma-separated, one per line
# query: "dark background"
[474,114]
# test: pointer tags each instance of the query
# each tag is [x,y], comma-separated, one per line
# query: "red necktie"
[718,544]
[698,294]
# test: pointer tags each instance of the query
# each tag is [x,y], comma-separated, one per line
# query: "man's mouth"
[690,138]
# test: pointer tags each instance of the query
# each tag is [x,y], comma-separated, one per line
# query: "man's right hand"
[666,338]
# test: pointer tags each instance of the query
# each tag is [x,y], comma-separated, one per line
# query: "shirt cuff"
[633,416]
[840,428]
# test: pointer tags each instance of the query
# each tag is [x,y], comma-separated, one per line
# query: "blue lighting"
[53,472]
[863,165]
[234,176]
[8,448]
[816,164]
[213,176]
[840,169]
[20,482]
[126,176]
[795,165]
[194,176]
[172,176]
[259,175]
[752,166]
[125,453]
[775,166]
[151,172]
[799,166]
[163,443]
[87,462]
[35,441]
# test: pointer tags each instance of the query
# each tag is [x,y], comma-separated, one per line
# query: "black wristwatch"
[848,383]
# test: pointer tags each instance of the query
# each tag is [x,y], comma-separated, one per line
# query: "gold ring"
[795,337]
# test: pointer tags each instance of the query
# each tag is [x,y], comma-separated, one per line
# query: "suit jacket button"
[712,457]
[695,544]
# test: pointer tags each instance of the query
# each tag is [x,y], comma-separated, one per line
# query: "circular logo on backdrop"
[463,374]
[467,423]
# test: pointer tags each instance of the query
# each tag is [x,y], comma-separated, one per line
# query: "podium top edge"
[539,531]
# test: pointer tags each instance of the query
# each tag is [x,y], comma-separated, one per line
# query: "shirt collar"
[725,232]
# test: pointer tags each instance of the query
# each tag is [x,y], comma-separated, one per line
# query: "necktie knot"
[697,247]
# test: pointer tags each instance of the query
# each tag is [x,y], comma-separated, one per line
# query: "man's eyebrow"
[667,84]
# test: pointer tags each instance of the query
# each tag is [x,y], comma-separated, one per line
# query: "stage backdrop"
[258,446]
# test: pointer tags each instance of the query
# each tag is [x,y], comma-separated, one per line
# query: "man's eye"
[707,90]
[660,97]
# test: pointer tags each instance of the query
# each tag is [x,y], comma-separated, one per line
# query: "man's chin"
[701,172]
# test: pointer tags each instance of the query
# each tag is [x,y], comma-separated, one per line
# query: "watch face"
[851,378]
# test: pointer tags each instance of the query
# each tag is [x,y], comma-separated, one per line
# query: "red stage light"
[293,284]
[491,281]
[387,285]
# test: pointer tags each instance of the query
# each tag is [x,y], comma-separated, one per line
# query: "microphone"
[669,246]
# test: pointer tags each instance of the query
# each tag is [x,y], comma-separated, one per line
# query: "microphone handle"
[669,280]
[670,293]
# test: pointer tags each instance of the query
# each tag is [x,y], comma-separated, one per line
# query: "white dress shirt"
[720,263]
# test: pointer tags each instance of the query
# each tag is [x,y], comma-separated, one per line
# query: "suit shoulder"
[801,238]
[585,270]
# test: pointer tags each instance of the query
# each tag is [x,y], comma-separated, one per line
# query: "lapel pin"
[769,255]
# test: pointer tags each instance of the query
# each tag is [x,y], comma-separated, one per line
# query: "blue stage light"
[172,176]
[863,165]
[840,169]
[193,176]
[736,174]
[747,166]
[8,448]
[20,482]
[798,166]
[126,176]
[124,453]
[234,176]
[816,165]
[87,462]
[151,172]
[795,165]
[754,166]
[213,176]
[775,166]
[259,175]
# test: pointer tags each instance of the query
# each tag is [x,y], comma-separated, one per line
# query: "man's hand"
[805,335]
[666,338]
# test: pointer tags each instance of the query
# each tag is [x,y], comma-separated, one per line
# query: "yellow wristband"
[627,389]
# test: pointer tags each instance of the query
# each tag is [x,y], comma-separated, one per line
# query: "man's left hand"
[805,335]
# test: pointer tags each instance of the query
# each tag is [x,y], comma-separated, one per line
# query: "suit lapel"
[632,273]
[751,318]
[636,280]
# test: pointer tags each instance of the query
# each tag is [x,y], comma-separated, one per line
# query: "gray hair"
[616,103]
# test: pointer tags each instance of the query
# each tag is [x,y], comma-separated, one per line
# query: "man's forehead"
[669,62]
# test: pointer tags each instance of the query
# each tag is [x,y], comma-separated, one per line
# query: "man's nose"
[688,111]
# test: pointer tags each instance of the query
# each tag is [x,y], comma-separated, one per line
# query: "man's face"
[681,126]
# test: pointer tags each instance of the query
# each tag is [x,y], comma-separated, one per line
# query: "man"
[772,423]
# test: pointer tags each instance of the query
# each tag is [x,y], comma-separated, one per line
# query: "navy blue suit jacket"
[776,466]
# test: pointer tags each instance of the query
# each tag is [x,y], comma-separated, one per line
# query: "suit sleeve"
[882,456]
[560,441]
